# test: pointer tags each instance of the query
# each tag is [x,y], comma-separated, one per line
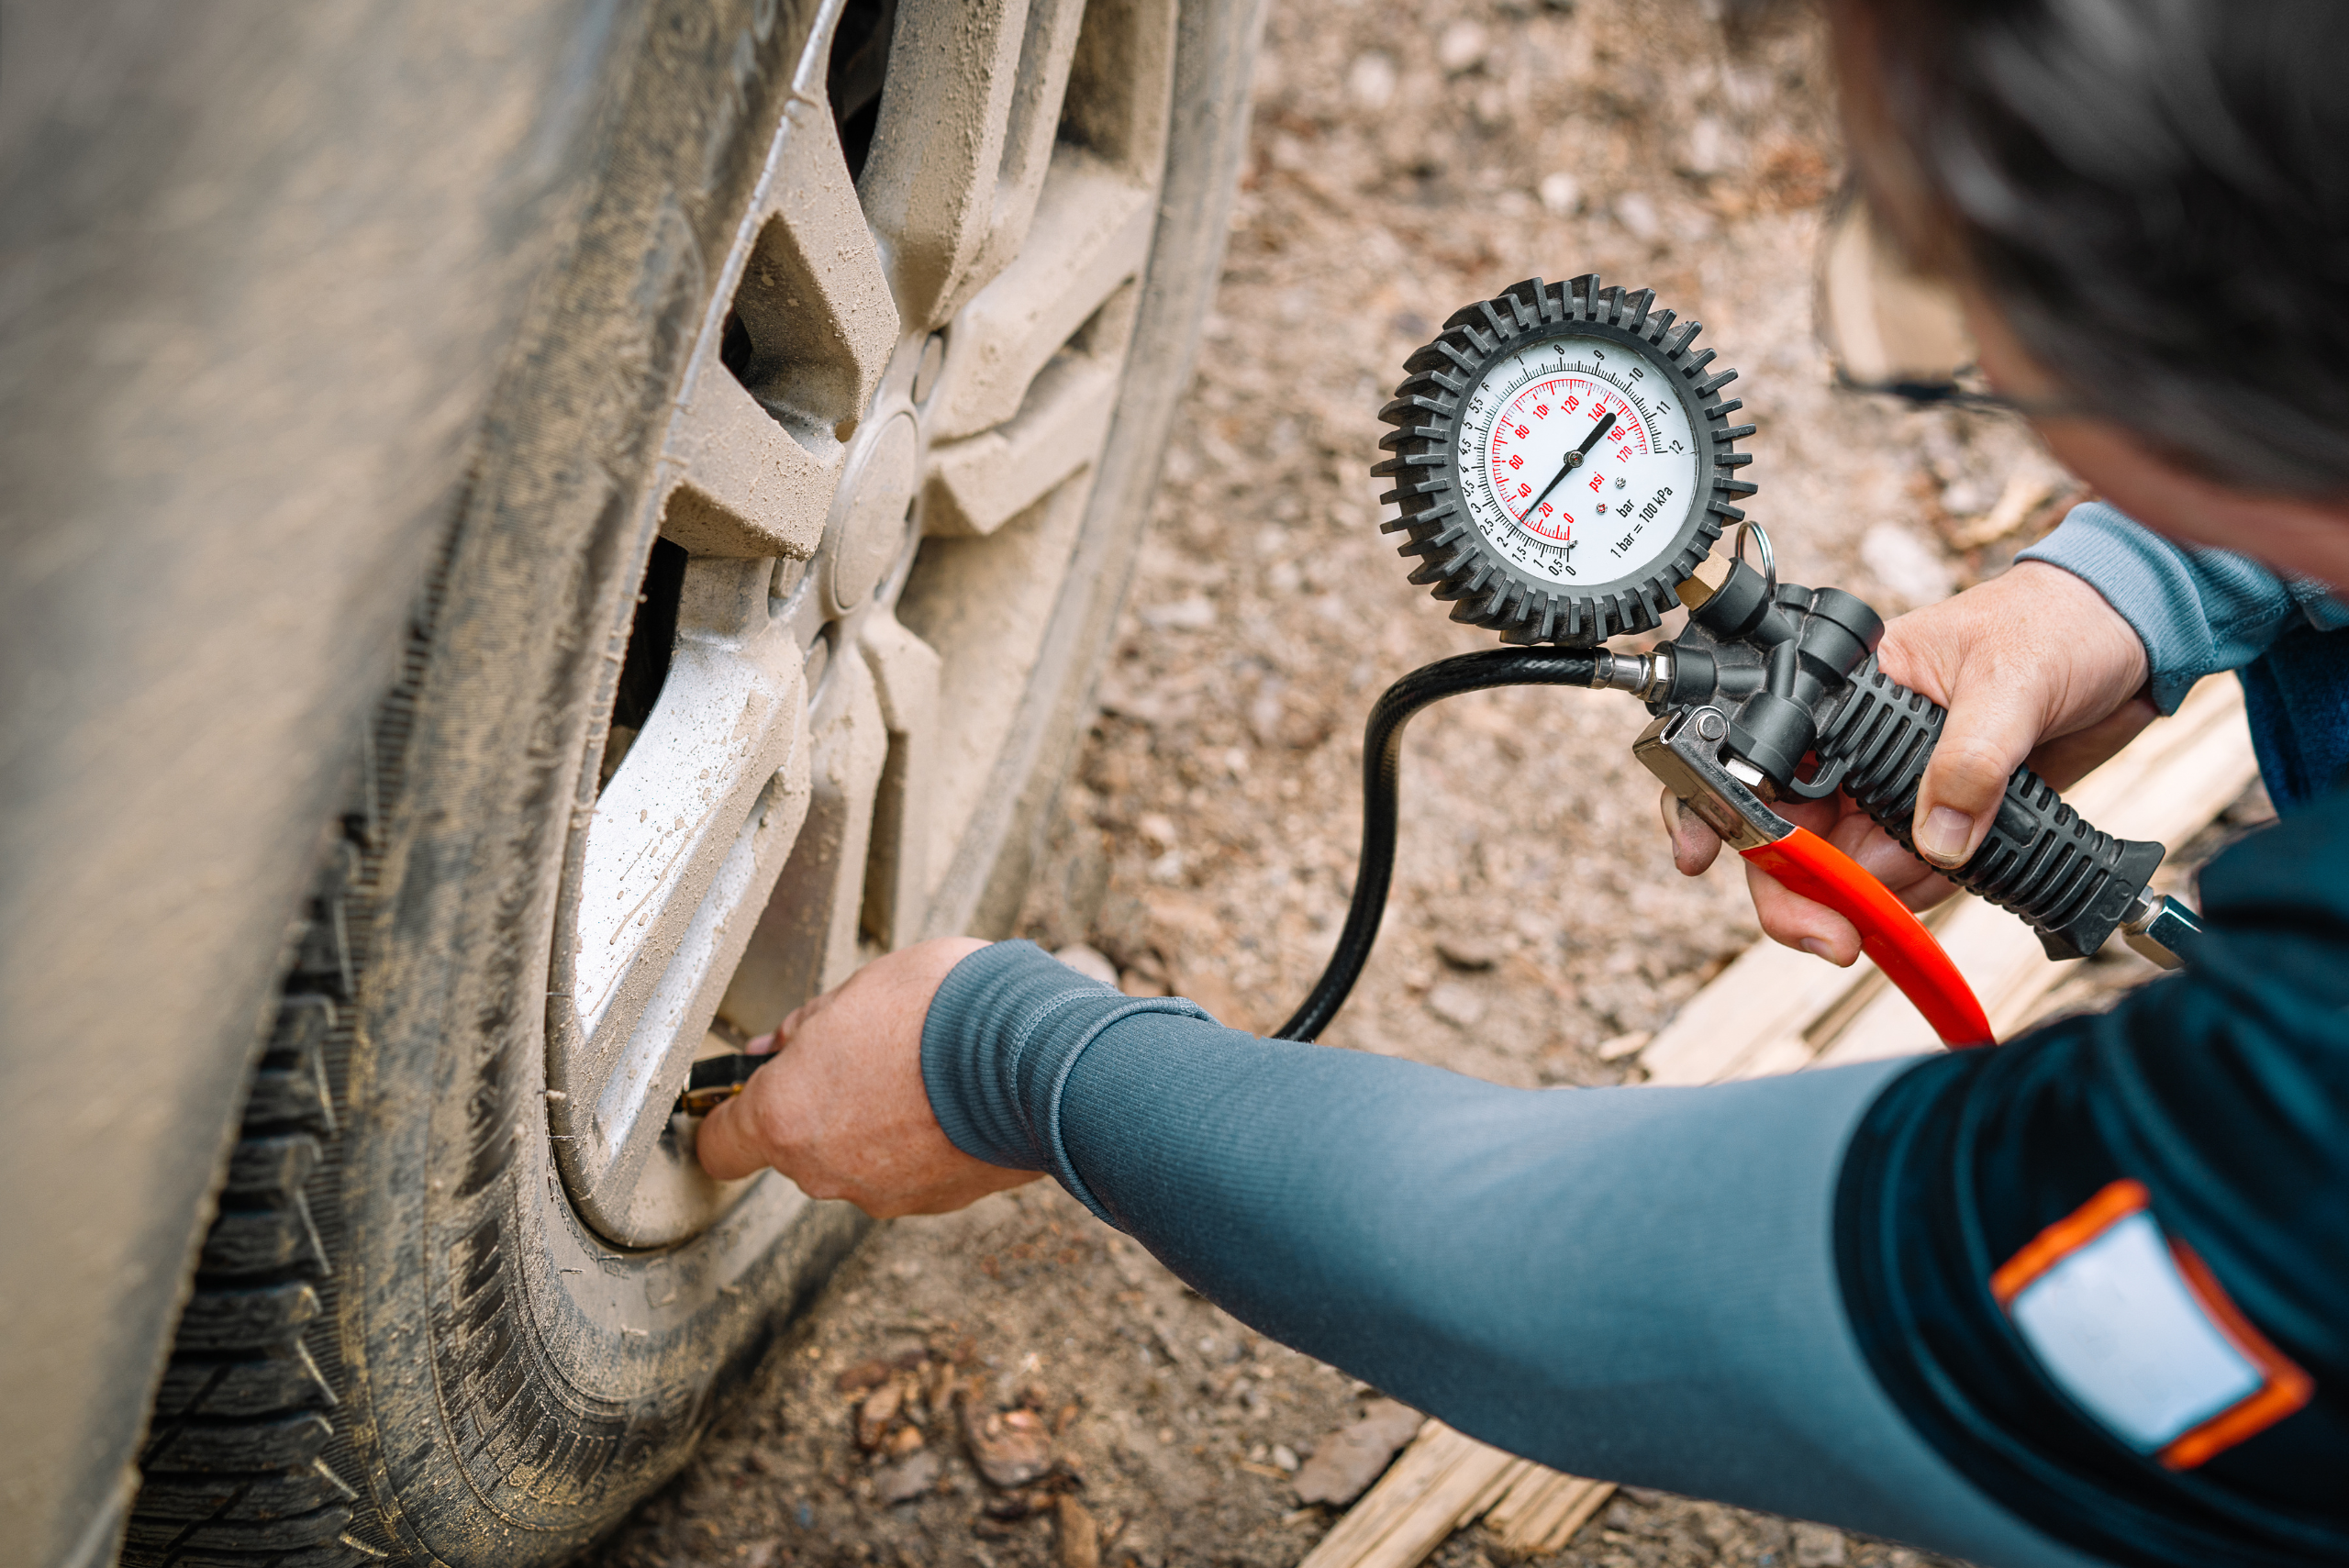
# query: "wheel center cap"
[869,520]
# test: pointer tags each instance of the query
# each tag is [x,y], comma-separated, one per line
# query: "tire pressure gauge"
[1562,460]
[1563,465]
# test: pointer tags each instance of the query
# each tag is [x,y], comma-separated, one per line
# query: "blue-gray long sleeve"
[1636,1283]
[2197,611]
[2201,611]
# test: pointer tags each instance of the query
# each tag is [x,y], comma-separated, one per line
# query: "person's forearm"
[1633,1284]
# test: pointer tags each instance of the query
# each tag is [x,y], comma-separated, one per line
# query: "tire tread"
[238,1465]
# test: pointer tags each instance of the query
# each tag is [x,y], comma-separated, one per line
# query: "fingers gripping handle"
[2070,883]
[1901,947]
[1680,748]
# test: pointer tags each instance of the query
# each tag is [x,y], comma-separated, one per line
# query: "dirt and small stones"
[1343,1464]
[1642,1529]
[1461,47]
[878,1413]
[863,1375]
[1077,1538]
[1010,1448]
[1819,1546]
[1089,962]
[1010,1507]
[1622,1045]
[1463,952]
[1916,571]
[1456,1004]
[906,1479]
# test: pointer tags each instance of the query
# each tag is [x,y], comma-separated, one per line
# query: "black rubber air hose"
[1382,766]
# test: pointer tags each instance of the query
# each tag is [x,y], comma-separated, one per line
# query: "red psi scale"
[1522,454]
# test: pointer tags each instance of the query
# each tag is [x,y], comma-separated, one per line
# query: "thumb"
[1988,734]
[727,1141]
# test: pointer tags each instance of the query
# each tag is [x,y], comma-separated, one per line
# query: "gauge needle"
[1573,458]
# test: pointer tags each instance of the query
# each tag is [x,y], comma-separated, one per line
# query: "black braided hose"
[1382,766]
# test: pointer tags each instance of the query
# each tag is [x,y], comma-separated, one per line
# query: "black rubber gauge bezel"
[1456,561]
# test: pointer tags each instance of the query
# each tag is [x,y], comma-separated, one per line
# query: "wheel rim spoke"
[1121,84]
[1089,226]
[749,488]
[683,844]
[984,605]
[630,1112]
[723,727]
[814,296]
[979,483]
[930,184]
[1046,54]
[906,679]
[806,939]
[1089,239]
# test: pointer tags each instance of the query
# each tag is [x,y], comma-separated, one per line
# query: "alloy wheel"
[872,495]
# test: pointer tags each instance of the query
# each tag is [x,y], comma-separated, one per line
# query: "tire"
[430,1322]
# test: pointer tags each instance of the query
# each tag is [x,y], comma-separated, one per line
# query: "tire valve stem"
[717,1079]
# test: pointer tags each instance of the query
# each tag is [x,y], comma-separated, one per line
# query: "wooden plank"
[1443,1482]
[1766,994]
[1503,1481]
[1575,1506]
[1530,1493]
[1418,1502]
[1545,1508]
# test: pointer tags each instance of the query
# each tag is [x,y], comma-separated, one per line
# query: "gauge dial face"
[1556,495]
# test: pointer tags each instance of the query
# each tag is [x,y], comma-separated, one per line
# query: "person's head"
[2145,207]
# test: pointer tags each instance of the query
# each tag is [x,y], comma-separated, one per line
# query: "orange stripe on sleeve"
[2286,1389]
[2116,1202]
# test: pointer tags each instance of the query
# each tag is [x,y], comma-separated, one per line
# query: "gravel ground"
[1407,159]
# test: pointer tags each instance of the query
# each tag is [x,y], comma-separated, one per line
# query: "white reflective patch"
[2116,1325]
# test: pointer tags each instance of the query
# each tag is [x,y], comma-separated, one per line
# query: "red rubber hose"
[1897,940]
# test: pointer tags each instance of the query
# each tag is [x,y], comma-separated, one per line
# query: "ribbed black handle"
[2069,882]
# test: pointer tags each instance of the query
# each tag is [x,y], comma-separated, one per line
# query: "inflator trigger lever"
[1682,748]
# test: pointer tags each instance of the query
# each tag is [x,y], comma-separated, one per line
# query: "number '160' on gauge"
[1563,458]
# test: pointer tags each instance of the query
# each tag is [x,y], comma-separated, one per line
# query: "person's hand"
[2032,665]
[842,1109]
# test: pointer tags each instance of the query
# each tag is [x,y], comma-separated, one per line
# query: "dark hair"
[2156,193]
